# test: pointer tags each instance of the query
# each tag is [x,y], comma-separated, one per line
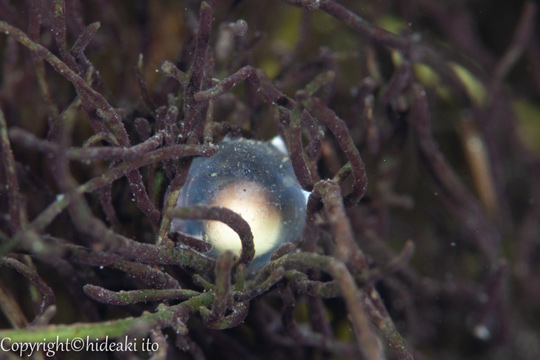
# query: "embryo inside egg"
[252,202]
[255,180]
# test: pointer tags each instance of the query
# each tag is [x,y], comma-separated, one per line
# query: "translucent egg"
[255,180]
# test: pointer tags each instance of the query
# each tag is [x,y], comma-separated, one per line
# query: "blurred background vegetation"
[472,287]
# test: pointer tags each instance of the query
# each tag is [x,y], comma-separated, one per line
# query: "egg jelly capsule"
[255,179]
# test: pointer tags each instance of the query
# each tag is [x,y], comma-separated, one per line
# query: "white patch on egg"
[251,202]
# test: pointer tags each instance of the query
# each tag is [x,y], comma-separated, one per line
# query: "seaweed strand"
[108,113]
[226,216]
[16,210]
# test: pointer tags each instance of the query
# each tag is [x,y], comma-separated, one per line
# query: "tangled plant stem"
[345,272]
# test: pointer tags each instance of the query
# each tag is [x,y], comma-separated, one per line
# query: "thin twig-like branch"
[87,94]
[457,197]
[161,340]
[263,287]
[347,249]
[16,214]
[11,308]
[84,39]
[59,32]
[226,216]
[27,139]
[123,298]
[143,88]
[522,36]
[171,70]
[318,108]
[222,273]
[296,150]
[63,200]
[34,29]
[368,344]
[165,316]
[247,72]
[194,111]
[32,275]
